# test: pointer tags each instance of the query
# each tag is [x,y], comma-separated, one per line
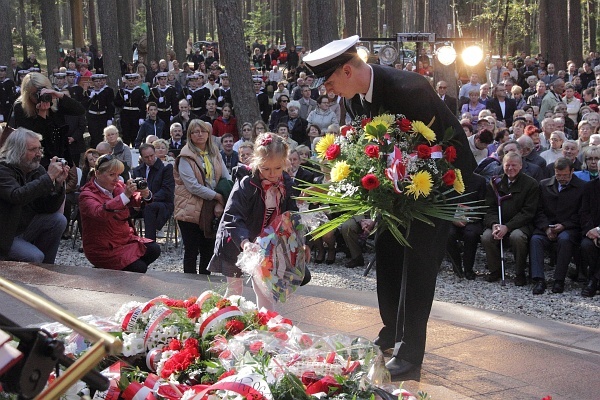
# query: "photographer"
[108,239]
[30,200]
[41,109]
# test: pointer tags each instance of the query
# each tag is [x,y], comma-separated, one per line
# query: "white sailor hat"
[70,72]
[257,78]
[23,72]
[60,75]
[224,75]
[132,76]
[324,61]
[96,77]
[3,67]
[192,77]
[34,69]
[162,75]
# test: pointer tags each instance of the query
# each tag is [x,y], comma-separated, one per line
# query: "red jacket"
[220,128]
[108,240]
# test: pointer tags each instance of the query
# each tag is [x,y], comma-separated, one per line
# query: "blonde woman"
[197,171]
[162,148]
[120,150]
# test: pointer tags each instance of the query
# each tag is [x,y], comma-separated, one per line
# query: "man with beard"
[30,200]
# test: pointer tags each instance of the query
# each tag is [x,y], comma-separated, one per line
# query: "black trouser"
[470,235]
[141,265]
[130,125]
[195,243]
[409,323]
[156,214]
[96,125]
[166,117]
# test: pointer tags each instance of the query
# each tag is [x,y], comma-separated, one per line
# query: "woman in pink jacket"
[108,240]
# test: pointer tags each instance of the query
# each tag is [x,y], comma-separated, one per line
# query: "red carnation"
[423,151]
[404,124]
[326,385]
[191,343]
[365,121]
[194,311]
[450,154]
[369,181]
[449,177]
[174,344]
[372,151]
[234,327]
[345,129]
[333,151]
[309,377]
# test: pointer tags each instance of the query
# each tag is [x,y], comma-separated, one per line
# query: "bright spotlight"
[472,55]
[446,54]
[363,53]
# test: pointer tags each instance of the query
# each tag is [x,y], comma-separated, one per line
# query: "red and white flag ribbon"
[214,319]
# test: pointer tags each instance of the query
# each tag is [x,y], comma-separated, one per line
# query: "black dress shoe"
[493,276]
[383,343]
[355,262]
[399,367]
[558,287]
[539,287]
[520,280]
[590,289]
[470,274]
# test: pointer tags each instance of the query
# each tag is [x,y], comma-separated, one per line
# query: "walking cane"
[495,181]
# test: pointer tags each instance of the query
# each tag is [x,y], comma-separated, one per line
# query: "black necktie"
[366,106]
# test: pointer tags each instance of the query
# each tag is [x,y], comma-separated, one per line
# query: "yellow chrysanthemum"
[324,144]
[384,119]
[459,184]
[424,130]
[421,184]
[340,171]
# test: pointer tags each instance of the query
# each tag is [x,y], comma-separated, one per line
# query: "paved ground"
[470,353]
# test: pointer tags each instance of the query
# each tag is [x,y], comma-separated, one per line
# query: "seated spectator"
[211,113]
[108,240]
[557,138]
[177,140]
[322,116]
[492,165]
[280,112]
[230,156]
[184,116]
[539,140]
[591,155]
[296,124]
[556,221]
[517,93]
[151,126]
[535,165]
[159,177]
[518,213]
[284,132]
[518,128]
[501,136]
[31,200]
[246,136]
[162,151]
[590,244]
[226,123]
[120,150]
[304,153]
[245,156]
[473,107]
[298,174]
[479,143]
[584,131]
[467,126]
[352,230]
[569,151]
[103,148]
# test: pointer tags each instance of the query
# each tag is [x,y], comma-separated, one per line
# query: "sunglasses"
[285,101]
[442,87]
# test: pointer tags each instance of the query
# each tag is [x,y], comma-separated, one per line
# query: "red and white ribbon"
[250,386]
[437,151]
[152,358]
[204,296]
[137,391]
[215,318]
[160,314]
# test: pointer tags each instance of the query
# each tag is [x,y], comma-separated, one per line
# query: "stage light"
[363,53]
[472,55]
[446,54]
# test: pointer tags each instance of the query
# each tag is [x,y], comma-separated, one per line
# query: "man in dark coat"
[556,221]
[502,106]
[369,90]
[590,228]
[450,101]
[162,186]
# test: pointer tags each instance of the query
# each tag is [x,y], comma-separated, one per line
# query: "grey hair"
[15,147]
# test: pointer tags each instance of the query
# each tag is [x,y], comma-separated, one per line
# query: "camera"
[43,98]
[140,183]
[62,161]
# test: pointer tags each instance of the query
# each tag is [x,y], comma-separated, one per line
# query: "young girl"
[253,204]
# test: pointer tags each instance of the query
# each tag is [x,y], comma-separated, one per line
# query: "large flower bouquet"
[210,347]
[388,168]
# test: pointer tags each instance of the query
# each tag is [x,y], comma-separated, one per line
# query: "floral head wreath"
[266,140]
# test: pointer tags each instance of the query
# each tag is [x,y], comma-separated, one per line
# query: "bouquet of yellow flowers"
[389,168]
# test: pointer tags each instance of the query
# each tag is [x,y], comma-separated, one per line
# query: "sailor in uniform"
[132,101]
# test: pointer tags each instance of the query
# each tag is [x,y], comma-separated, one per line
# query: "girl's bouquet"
[276,259]
[388,168]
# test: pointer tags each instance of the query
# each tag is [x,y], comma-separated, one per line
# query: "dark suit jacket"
[298,131]
[577,166]
[160,181]
[510,107]
[452,103]
[559,207]
[590,206]
[263,105]
[529,169]
[178,118]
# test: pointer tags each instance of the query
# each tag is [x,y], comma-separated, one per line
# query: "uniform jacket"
[168,96]
[134,105]
[22,196]
[108,240]
[559,207]
[519,211]
[100,101]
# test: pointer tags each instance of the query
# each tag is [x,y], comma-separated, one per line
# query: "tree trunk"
[150,47]
[50,33]
[368,15]
[160,28]
[503,33]
[124,27]
[93,34]
[230,26]
[179,41]
[306,26]
[6,46]
[23,28]
[186,20]
[420,16]
[328,29]
[575,44]
[553,31]
[350,16]
[109,34]
[286,20]
[393,17]
[65,18]
[527,29]
[440,15]
[591,22]
[77,23]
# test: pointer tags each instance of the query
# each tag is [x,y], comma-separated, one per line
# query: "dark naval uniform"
[7,97]
[196,98]
[76,93]
[100,110]
[166,100]
[223,96]
[133,110]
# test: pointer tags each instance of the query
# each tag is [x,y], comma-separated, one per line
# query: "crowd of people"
[533,130]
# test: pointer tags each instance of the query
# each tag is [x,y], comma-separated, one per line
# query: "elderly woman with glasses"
[322,116]
[108,240]
[591,156]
